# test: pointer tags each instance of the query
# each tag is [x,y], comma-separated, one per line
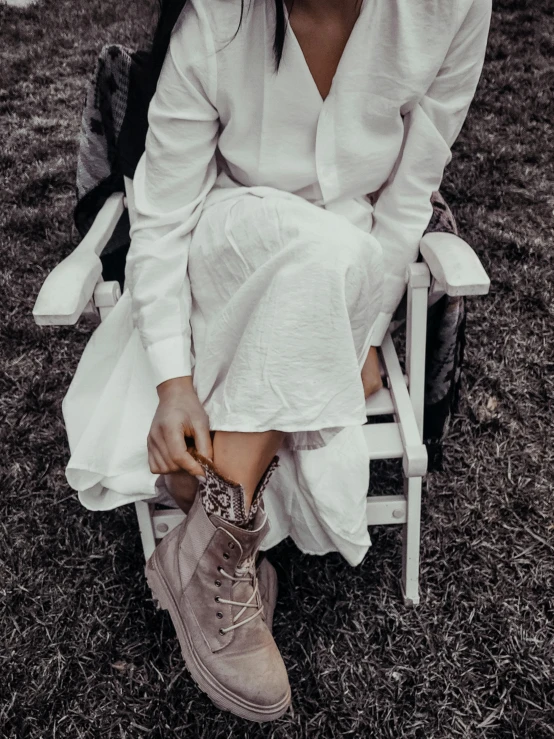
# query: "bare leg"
[371,375]
[244,457]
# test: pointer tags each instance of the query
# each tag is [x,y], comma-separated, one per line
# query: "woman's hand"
[371,376]
[179,414]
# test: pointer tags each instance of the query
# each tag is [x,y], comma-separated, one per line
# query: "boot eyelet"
[217,598]
[231,545]
[218,583]
[219,568]
[219,614]
[221,632]
[225,555]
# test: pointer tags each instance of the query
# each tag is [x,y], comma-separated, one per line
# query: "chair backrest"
[112,136]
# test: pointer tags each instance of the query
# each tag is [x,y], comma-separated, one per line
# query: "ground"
[84,652]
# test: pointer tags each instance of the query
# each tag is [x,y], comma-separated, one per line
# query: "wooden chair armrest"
[414,460]
[454,265]
[70,286]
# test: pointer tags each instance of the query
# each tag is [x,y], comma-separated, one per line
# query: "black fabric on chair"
[111,141]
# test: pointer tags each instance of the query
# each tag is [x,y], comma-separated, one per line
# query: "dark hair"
[170,10]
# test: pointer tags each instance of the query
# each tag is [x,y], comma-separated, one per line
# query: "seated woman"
[284,189]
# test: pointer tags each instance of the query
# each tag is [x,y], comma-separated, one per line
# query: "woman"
[284,188]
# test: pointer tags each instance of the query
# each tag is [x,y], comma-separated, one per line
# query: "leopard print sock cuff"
[224,497]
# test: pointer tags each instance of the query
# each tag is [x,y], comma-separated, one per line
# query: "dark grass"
[84,654]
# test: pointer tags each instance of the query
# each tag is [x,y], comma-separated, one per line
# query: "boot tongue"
[242,591]
[249,539]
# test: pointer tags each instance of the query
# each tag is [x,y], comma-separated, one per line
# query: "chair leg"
[411,541]
[146,528]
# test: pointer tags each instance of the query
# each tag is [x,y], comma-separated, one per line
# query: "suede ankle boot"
[203,572]
[267,577]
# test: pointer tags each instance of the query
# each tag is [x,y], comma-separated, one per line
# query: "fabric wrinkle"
[277,310]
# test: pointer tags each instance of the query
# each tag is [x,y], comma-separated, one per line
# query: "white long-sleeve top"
[221,119]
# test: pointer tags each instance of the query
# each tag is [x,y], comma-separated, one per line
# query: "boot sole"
[217,692]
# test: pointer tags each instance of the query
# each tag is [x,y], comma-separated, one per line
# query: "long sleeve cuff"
[169,358]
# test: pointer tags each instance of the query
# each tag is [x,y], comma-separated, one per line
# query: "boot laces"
[246,572]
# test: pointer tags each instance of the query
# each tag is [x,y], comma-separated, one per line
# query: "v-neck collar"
[307,71]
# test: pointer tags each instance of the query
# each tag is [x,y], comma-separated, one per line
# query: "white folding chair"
[76,287]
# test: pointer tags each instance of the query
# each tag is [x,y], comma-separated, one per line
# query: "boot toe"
[268,687]
[258,684]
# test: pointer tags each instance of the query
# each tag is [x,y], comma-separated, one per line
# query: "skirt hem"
[351,561]
[285,428]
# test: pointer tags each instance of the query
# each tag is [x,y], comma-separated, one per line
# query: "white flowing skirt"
[285,297]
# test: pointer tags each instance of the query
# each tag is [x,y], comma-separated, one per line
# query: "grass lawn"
[84,653]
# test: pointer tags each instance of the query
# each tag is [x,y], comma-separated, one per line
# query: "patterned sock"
[225,498]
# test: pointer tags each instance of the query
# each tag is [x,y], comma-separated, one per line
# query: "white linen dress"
[258,262]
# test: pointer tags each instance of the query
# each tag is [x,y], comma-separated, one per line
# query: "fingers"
[177,449]
[203,440]
[159,462]
[164,463]
[179,413]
